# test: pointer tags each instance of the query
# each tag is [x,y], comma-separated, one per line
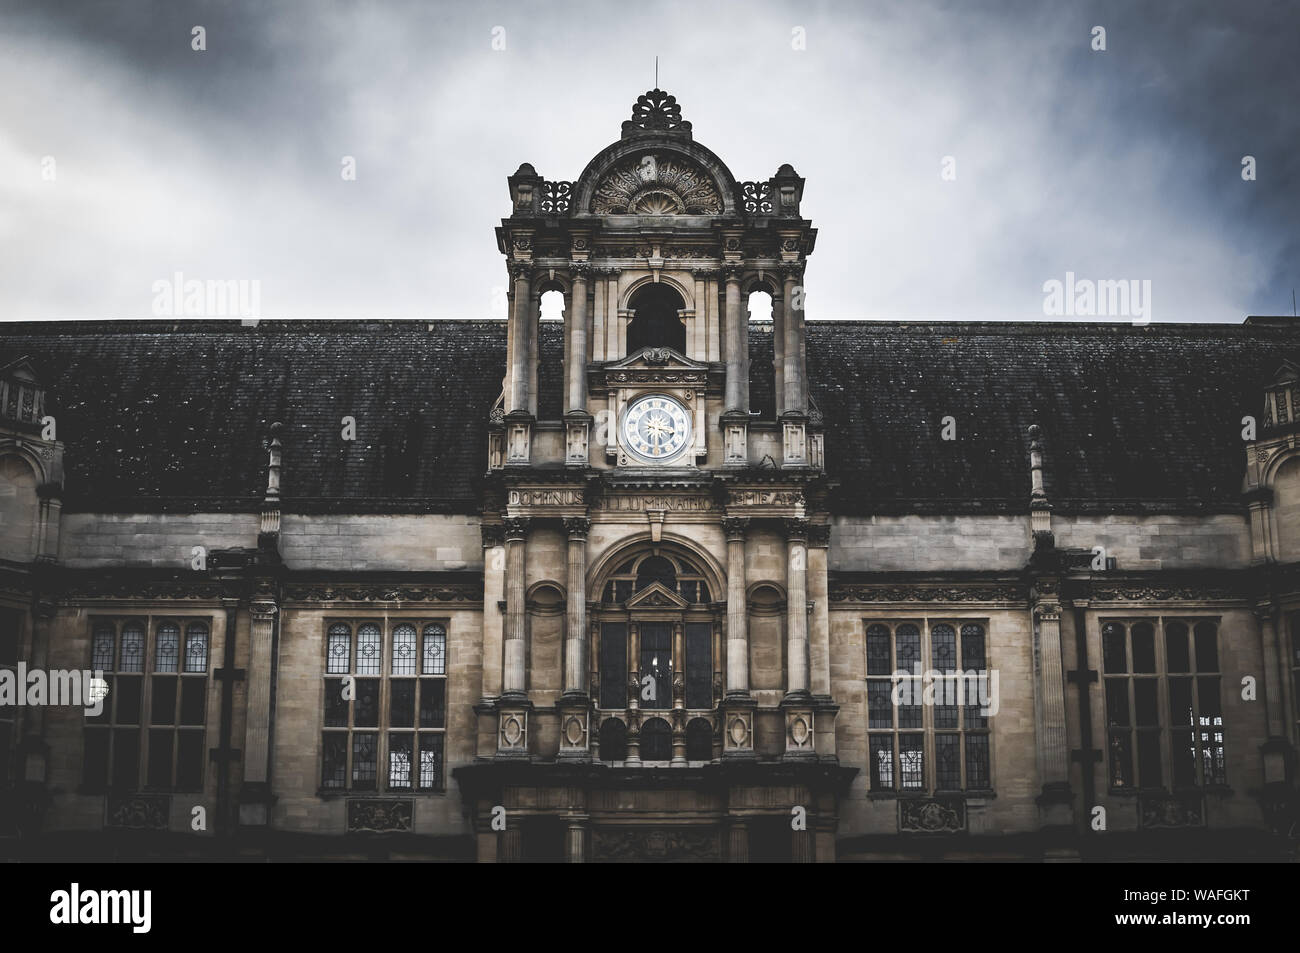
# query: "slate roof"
[1132,417]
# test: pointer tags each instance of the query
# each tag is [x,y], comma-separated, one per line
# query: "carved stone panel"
[138,812]
[931,815]
[1166,812]
[656,845]
[379,816]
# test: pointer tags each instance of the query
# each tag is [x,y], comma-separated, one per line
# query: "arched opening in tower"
[656,321]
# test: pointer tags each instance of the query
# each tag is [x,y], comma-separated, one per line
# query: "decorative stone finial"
[656,110]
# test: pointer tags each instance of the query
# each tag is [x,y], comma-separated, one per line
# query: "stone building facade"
[681,585]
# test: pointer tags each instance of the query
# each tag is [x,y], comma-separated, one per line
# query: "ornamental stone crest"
[651,184]
[656,110]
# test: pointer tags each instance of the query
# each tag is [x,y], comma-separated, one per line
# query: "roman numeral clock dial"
[655,428]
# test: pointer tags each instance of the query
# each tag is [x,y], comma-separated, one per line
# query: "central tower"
[655,249]
[654,529]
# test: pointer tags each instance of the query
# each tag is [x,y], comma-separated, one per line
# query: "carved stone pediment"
[658,359]
[657,596]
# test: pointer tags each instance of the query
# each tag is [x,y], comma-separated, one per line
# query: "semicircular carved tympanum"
[656,185]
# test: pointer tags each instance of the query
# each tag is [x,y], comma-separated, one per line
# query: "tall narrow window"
[657,665]
[762,356]
[384,721]
[613,665]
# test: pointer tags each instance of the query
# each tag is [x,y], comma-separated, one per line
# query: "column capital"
[733,271]
[735,527]
[581,270]
[796,530]
[792,271]
[493,534]
[577,527]
[516,527]
[819,534]
[520,270]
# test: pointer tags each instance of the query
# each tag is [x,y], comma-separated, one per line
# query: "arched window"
[762,356]
[656,740]
[168,648]
[613,740]
[655,319]
[675,573]
[699,740]
[656,569]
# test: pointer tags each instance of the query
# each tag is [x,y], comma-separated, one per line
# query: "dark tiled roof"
[179,409]
[1127,413]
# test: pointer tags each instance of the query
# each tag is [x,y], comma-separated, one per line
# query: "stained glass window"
[131,658]
[1145,748]
[196,647]
[435,650]
[167,651]
[339,659]
[368,650]
[102,652]
[927,702]
[404,650]
[377,728]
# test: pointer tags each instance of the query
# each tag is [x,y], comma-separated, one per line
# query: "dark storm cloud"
[225,163]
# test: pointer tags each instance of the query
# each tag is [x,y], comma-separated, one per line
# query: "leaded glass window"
[151,731]
[927,702]
[1150,666]
[168,655]
[404,650]
[381,720]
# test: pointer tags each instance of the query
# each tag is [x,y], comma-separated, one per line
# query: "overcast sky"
[225,164]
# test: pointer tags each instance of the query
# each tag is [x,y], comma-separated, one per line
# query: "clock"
[655,428]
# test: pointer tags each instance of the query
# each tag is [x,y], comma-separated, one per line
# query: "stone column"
[35,753]
[493,535]
[738,841]
[796,622]
[793,374]
[576,846]
[516,532]
[510,847]
[575,659]
[1272,676]
[513,707]
[778,353]
[1053,746]
[518,358]
[255,792]
[737,610]
[737,390]
[534,353]
[577,358]
[575,706]
[1276,750]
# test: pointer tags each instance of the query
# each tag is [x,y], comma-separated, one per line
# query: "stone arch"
[605,565]
[685,289]
[633,149]
[20,506]
[1284,479]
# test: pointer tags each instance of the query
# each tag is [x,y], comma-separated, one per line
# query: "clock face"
[655,428]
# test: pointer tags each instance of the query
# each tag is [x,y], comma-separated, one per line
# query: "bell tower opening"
[656,319]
